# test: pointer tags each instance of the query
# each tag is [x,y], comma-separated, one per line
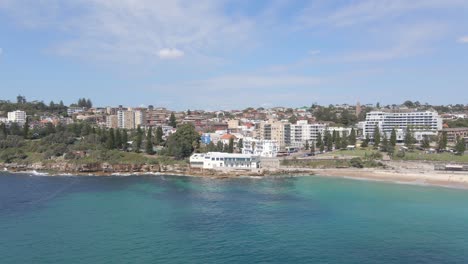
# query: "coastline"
[423,178]
[398,175]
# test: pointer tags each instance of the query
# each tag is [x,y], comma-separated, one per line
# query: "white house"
[224,161]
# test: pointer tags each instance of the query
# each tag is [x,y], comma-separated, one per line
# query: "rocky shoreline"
[106,169]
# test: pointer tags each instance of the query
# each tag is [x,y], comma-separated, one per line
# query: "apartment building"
[303,132]
[130,119]
[454,133]
[112,121]
[17,117]
[276,130]
[258,147]
[421,123]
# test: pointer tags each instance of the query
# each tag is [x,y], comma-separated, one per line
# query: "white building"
[224,161]
[74,109]
[421,123]
[262,148]
[17,117]
[303,132]
[130,119]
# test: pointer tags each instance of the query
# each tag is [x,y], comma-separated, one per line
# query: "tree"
[376,137]
[334,135]
[189,112]
[312,148]
[219,146]
[110,143]
[139,139]
[377,105]
[344,142]
[183,142]
[159,135]
[337,141]
[149,142]
[3,130]
[26,129]
[172,120]
[293,119]
[409,138]
[231,145]
[240,144]
[319,142]
[20,99]
[393,138]
[328,141]
[365,143]
[460,146]
[442,142]
[118,139]
[426,142]
[306,146]
[352,137]
[385,143]
[124,139]
[89,104]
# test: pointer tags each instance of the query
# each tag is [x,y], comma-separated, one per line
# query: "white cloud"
[463,40]
[131,31]
[369,11]
[314,52]
[170,53]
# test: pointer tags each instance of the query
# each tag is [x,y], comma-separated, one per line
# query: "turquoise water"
[158,219]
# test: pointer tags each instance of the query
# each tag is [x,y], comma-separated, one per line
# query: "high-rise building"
[276,130]
[420,123]
[303,132]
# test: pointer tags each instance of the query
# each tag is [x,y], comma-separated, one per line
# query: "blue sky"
[230,54]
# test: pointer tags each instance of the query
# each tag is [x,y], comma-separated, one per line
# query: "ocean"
[173,219]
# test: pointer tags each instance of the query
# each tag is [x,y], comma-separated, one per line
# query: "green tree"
[118,139]
[312,148]
[189,112]
[110,143]
[344,142]
[426,142]
[3,131]
[219,146]
[172,120]
[231,145]
[292,119]
[306,146]
[334,134]
[159,135]
[124,139]
[442,142]
[240,144]
[365,142]
[377,137]
[393,138]
[352,137]
[139,139]
[328,141]
[26,128]
[149,142]
[460,146]
[409,138]
[385,144]
[319,142]
[337,140]
[183,142]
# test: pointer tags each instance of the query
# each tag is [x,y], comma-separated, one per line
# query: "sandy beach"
[445,179]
